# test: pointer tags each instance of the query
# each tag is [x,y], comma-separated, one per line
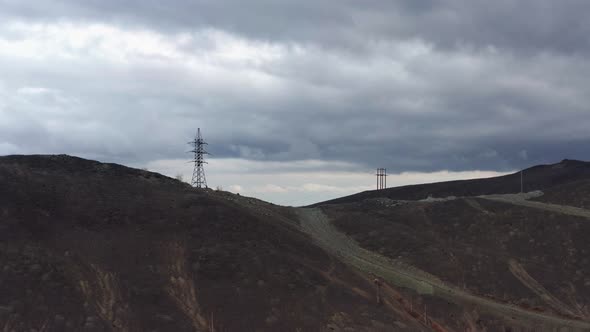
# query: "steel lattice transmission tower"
[198,145]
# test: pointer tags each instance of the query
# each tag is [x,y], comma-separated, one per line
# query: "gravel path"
[315,222]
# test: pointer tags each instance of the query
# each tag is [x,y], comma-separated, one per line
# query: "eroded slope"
[86,246]
[531,258]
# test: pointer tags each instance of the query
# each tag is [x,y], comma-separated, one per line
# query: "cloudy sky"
[300,100]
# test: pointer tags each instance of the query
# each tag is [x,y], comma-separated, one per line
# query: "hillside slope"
[498,251]
[539,177]
[86,246]
[453,304]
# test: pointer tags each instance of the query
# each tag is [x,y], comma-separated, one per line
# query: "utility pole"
[521,182]
[198,145]
[381,178]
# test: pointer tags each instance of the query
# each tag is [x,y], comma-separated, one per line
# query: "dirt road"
[522,201]
[315,222]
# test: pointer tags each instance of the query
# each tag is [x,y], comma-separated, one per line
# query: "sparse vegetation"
[88,245]
[182,289]
[117,252]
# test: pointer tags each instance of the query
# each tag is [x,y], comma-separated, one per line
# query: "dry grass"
[315,223]
[181,289]
[12,324]
[580,308]
[521,274]
[105,293]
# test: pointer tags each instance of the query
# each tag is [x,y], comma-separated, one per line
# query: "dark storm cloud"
[410,85]
[532,25]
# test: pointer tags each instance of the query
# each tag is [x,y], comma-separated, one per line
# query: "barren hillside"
[87,246]
[540,177]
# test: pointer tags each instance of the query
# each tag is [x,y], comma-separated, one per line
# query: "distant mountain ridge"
[535,178]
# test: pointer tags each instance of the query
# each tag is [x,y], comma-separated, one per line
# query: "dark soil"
[572,193]
[86,246]
[469,243]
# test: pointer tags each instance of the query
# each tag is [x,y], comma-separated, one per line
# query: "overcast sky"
[300,100]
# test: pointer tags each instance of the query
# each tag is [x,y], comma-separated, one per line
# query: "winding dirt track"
[315,223]
[520,200]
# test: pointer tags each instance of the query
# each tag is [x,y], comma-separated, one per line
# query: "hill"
[539,177]
[527,251]
[87,246]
